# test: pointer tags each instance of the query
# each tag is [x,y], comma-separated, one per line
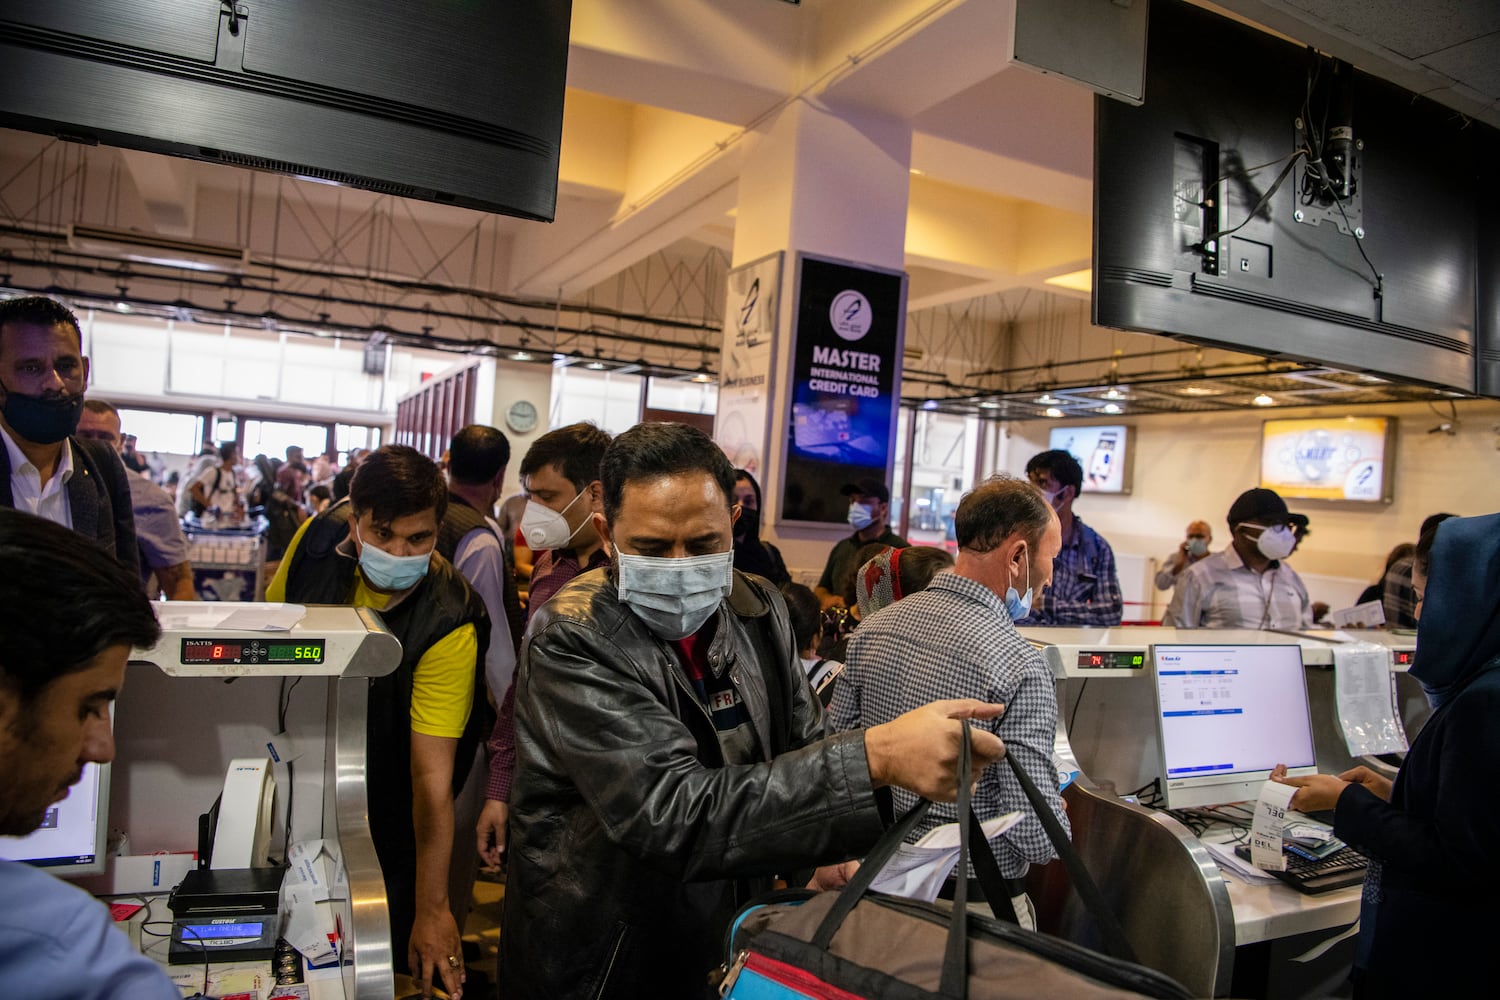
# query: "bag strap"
[879,856]
[1093,900]
[954,981]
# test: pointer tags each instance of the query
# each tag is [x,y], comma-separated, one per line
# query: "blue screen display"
[208,932]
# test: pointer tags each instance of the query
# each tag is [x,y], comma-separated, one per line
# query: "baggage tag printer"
[228,912]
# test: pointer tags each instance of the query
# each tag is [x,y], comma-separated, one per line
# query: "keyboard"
[1343,867]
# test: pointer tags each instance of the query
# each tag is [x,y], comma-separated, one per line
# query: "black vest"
[458,522]
[442,602]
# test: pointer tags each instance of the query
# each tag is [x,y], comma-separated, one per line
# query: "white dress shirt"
[29,493]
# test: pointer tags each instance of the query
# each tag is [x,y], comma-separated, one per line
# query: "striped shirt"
[955,640]
[1220,591]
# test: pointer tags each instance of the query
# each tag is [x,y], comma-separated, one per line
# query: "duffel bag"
[859,944]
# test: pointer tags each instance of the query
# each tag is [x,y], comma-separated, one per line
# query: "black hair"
[919,564]
[228,450]
[577,450]
[1431,522]
[38,310]
[805,612]
[396,480]
[320,492]
[477,454]
[1423,556]
[1062,466]
[653,450]
[991,511]
[63,601]
[754,486]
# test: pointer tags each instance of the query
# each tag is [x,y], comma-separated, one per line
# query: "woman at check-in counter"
[1428,920]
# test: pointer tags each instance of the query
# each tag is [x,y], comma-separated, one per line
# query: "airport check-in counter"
[1180,913]
[206,695]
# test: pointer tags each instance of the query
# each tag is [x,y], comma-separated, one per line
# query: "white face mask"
[545,528]
[674,597]
[1275,543]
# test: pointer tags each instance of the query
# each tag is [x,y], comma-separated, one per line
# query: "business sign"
[1104,452]
[849,324]
[742,421]
[1319,458]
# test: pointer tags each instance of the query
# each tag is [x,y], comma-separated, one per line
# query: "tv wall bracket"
[1330,190]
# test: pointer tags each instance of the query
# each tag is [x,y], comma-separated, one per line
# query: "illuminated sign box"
[1104,451]
[1346,459]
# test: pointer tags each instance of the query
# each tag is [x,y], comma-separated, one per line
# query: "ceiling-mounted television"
[451,101]
[1105,452]
[1269,198]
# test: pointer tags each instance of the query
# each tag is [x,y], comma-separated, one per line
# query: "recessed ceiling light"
[1052,411]
[930,404]
[1113,393]
[1112,408]
[702,377]
[123,307]
[521,356]
[989,404]
[1047,399]
[597,366]
[1263,400]
[1198,390]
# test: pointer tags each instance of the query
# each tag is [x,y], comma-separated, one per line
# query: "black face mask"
[42,419]
[748,526]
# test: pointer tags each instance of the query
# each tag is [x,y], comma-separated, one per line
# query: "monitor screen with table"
[1226,716]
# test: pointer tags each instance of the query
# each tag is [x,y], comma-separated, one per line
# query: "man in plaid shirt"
[1085,584]
[957,639]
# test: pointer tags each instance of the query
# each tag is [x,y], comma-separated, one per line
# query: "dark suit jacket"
[98,497]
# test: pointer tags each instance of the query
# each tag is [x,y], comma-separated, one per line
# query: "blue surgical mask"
[384,571]
[674,597]
[861,516]
[1197,546]
[1017,605]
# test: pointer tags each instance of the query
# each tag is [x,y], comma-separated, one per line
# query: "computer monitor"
[1227,715]
[71,842]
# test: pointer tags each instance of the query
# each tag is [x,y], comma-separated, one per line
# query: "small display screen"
[1111,659]
[1403,657]
[253,651]
[209,932]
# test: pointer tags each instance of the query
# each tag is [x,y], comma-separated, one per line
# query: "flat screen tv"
[454,101]
[1268,198]
[1329,458]
[1104,451]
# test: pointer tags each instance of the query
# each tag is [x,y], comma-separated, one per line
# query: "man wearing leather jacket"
[672,758]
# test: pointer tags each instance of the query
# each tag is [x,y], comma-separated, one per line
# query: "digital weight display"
[254,651]
[1403,658]
[1111,659]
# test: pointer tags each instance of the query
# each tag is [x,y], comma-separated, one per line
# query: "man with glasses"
[1248,584]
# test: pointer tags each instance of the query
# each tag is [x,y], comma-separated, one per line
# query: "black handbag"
[857,943]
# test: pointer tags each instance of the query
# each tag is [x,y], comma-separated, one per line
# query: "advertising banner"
[1317,458]
[1104,452]
[742,423]
[850,322]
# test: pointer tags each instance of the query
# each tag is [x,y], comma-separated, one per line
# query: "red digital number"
[218,653]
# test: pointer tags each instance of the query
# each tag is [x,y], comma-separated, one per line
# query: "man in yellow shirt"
[376,550]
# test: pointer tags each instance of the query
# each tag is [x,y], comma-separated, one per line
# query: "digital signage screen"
[1329,458]
[1104,452]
